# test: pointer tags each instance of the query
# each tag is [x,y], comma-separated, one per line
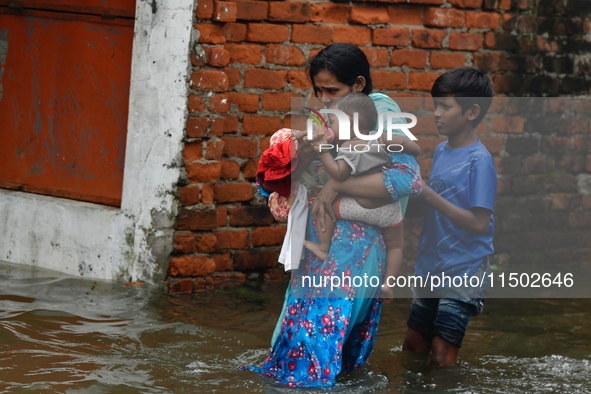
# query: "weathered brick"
[446,60]
[228,279]
[206,243]
[299,79]
[260,125]
[405,16]
[392,36]
[483,20]
[412,58]
[224,11]
[308,34]
[234,32]
[223,261]
[217,57]
[434,2]
[427,38]
[365,15]
[233,74]
[209,80]
[255,260]
[268,236]
[493,144]
[189,195]
[199,172]
[249,169]
[191,266]
[196,220]
[421,81]
[246,102]
[230,169]
[210,33]
[466,3]
[255,215]
[251,10]
[355,35]
[508,124]
[285,55]
[195,103]
[232,239]
[290,11]
[443,17]
[222,213]
[204,9]
[264,79]
[500,41]
[278,101]
[230,124]
[490,62]
[214,149]
[260,32]
[388,80]
[185,243]
[233,192]
[193,151]
[179,286]
[219,103]
[245,53]
[239,147]
[207,194]
[377,57]
[465,41]
[329,13]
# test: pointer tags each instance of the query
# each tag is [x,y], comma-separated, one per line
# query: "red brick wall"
[247,64]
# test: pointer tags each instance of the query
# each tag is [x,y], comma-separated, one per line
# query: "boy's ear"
[473,112]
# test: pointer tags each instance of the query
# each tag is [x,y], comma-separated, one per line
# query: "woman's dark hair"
[363,105]
[469,86]
[345,61]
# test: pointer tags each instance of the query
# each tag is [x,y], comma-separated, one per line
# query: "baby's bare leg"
[321,248]
[393,239]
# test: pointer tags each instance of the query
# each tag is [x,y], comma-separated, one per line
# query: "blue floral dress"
[322,330]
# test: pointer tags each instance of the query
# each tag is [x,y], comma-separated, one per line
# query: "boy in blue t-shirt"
[458,225]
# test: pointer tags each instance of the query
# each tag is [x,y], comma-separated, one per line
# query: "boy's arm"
[475,219]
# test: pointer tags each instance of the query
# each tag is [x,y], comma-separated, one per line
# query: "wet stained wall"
[247,65]
[132,240]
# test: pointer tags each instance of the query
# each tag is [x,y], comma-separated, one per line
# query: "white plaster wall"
[134,242]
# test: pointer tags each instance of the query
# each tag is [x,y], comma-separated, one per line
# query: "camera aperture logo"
[345,129]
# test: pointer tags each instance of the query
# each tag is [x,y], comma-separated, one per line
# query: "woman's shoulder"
[384,103]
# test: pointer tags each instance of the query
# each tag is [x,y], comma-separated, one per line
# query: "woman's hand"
[322,205]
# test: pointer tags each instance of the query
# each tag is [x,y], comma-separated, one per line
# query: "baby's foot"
[387,294]
[316,249]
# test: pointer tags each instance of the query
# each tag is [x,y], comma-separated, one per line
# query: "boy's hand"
[418,205]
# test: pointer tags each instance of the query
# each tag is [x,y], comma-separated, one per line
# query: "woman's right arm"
[369,186]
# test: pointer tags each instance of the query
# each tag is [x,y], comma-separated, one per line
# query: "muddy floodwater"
[60,334]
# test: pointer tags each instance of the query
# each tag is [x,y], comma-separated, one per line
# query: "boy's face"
[449,119]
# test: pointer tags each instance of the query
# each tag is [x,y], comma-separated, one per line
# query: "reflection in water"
[63,334]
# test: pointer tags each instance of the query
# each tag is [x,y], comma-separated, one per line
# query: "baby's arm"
[337,169]
[408,145]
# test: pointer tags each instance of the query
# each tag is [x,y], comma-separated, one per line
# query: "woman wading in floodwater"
[321,332]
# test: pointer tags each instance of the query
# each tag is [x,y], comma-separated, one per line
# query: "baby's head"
[361,104]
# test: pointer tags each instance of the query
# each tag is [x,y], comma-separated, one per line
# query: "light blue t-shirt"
[467,178]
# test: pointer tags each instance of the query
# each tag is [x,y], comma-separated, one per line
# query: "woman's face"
[327,88]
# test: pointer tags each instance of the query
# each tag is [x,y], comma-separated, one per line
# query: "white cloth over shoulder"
[293,243]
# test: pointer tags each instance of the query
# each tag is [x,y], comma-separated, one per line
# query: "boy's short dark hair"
[469,86]
[363,105]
